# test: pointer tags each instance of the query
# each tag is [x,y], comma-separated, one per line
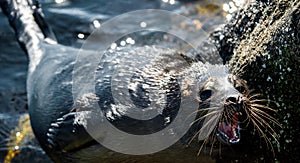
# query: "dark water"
[72,22]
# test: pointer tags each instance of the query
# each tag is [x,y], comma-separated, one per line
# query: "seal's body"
[158,84]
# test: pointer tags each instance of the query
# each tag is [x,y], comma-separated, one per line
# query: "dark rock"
[261,43]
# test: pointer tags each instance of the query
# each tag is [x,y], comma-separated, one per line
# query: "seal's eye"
[205,94]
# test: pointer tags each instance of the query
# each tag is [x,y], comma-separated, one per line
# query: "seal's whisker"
[263,107]
[232,110]
[212,144]
[259,115]
[202,110]
[227,119]
[267,127]
[265,115]
[226,116]
[214,98]
[268,142]
[261,121]
[209,108]
[199,151]
[216,105]
[253,96]
[220,149]
[260,100]
[194,136]
[229,111]
[275,137]
[206,115]
[205,125]
[246,107]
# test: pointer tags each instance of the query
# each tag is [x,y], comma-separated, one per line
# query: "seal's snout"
[234,100]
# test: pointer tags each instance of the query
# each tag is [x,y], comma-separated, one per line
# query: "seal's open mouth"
[229,132]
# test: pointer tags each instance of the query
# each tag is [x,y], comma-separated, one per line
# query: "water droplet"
[226,7]
[80,35]
[122,43]
[171,131]
[228,17]
[143,24]
[167,120]
[129,40]
[18,134]
[113,46]
[96,24]
[59,1]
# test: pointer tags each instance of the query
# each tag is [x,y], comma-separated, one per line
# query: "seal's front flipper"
[27,20]
[66,135]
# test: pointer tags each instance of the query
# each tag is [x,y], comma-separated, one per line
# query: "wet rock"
[261,43]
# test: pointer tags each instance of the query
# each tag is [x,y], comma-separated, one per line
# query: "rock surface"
[261,43]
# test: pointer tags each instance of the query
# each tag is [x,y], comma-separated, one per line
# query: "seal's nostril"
[231,99]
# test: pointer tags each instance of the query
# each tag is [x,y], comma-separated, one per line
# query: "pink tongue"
[229,130]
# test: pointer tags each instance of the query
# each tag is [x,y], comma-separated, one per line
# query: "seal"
[58,121]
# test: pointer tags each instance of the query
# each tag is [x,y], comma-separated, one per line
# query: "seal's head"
[226,106]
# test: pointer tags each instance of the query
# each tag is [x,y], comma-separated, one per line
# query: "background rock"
[261,43]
